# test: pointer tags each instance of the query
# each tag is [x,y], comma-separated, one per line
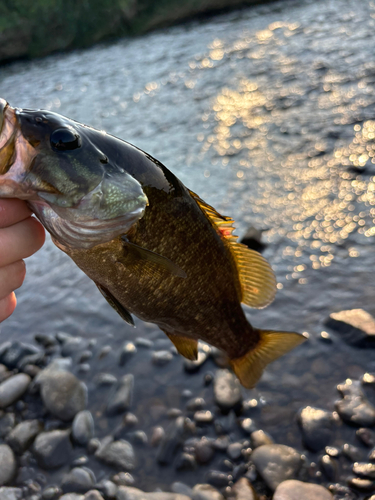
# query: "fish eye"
[65,139]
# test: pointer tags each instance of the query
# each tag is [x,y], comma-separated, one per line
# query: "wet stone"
[16,351]
[119,454]
[259,438]
[53,449]
[72,345]
[174,413]
[360,484]
[234,450]
[78,480]
[218,479]
[51,493]
[276,463]
[93,495]
[127,352]
[354,408]
[181,488]
[176,433]
[332,451]
[316,427]
[8,493]
[248,426]
[62,393]
[351,452]
[203,417]
[157,435]
[8,465]
[107,488]
[12,389]
[329,467]
[23,435]
[83,427]
[192,366]
[297,490]
[364,470]
[366,436]
[7,422]
[356,327]
[371,455]
[72,496]
[142,342]
[204,451]
[161,358]
[195,404]
[123,479]
[121,400]
[186,461]
[206,492]
[243,490]
[78,462]
[138,437]
[105,379]
[130,493]
[227,390]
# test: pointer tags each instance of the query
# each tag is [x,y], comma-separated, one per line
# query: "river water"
[268,113]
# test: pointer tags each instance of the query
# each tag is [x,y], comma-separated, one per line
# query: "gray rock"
[157,435]
[206,492]
[107,488]
[7,493]
[62,393]
[354,408]
[8,465]
[181,488]
[329,467]
[204,451]
[364,470]
[192,366]
[120,401]
[186,461]
[316,426]
[243,490]
[51,493]
[142,342]
[276,463]
[72,345]
[12,389]
[218,479]
[161,358]
[123,479]
[259,438]
[93,495]
[176,433]
[72,496]
[366,436]
[23,435]
[227,390]
[7,422]
[130,493]
[248,426]
[356,326]
[234,450]
[119,454]
[103,379]
[78,480]
[53,449]
[15,352]
[83,427]
[297,490]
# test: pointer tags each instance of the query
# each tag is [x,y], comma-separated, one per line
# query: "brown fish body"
[153,248]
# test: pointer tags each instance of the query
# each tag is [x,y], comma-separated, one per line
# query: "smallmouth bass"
[153,247]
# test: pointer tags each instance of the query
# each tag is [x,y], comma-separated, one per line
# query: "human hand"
[20,237]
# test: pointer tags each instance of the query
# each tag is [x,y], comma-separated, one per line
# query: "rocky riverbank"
[39,28]
[60,440]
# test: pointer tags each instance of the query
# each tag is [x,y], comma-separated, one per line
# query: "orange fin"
[258,282]
[271,346]
[185,346]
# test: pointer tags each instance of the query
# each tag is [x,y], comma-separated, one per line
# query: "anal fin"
[186,346]
[272,345]
[117,306]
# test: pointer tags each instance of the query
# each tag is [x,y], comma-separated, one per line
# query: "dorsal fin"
[258,282]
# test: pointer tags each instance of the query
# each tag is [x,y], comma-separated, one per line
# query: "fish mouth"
[16,156]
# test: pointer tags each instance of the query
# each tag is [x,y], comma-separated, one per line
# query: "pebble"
[206,492]
[234,450]
[108,488]
[181,488]
[218,479]
[8,465]
[351,452]
[8,493]
[192,366]
[176,433]
[203,417]
[248,425]
[227,390]
[123,479]
[204,451]
[329,467]
[354,408]
[62,393]
[364,470]
[72,496]
[332,451]
[104,379]
[276,463]
[130,493]
[15,352]
[243,490]
[72,345]
[93,495]
[51,493]
[161,358]
[316,427]
[259,438]
[356,326]
[121,400]
[195,404]
[83,427]
[7,422]
[142,342]
[297,490]
[22,436]
[119,454]
[186,461]
[53,449]
[365,485]
[127,352]
[138,437]
[366,436]
[78,480]
[12,389]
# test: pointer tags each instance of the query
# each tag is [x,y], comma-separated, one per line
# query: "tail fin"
[271,346]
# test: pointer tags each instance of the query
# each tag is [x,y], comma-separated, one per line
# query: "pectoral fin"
[119,308]
[140,253]
[185,346]
[271,346]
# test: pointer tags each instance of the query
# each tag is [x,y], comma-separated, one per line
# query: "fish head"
[58,166]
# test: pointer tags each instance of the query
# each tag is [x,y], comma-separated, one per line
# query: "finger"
[7,306]
[11,277]
[13,211]
[20,241]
